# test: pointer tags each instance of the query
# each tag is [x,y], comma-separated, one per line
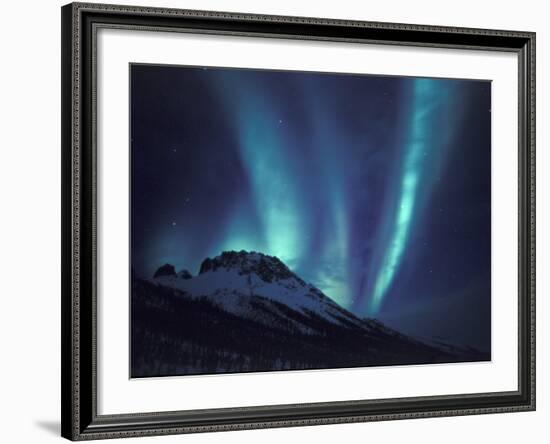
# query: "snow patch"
[232,291]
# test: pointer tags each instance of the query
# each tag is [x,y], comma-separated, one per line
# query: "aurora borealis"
[376,189]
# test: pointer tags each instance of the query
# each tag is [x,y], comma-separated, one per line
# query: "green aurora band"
[426,111]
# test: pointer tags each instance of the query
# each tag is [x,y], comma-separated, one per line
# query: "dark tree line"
[176,335]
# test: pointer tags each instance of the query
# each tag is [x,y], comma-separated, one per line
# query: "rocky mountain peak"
[165,270]
[169,270]
[268,268]
[184,274]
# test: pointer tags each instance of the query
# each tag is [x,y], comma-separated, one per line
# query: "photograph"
[299,220]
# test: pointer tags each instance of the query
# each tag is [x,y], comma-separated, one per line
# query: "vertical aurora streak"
[426,96]
[271,185]
[427,140]
[268,169]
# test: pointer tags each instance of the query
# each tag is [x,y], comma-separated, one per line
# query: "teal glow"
[425,98]
[307,182]
[277,231]
[330,264]
[280,215]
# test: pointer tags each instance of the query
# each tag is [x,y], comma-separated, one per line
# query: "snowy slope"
[238,281]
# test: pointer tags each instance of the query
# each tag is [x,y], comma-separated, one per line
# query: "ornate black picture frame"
[80,419]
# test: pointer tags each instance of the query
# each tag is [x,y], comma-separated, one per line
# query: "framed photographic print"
[279,221]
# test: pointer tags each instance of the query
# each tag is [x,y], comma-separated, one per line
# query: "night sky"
[376,189]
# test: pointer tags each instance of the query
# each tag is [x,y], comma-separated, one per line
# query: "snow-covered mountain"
[240,283]
[246,311]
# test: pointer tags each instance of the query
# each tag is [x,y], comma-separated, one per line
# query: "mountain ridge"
[225,278]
